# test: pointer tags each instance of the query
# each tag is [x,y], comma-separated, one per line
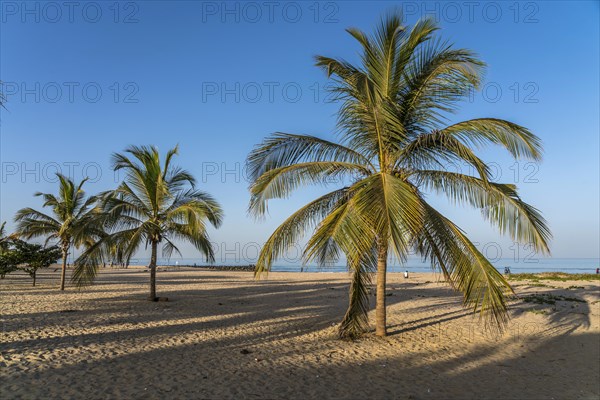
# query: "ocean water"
[568,265]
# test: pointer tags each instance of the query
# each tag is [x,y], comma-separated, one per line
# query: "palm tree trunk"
[380,317]
[63,273]
[34,279]
[152,296]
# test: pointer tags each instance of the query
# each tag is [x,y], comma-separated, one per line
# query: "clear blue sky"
[218,77]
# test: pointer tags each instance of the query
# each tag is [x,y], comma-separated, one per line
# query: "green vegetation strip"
[545,298]
[554,276]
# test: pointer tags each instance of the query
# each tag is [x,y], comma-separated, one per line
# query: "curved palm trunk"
[63,272]
[152,296]
[380,317]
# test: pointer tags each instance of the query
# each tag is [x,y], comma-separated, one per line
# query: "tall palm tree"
[394,144]
[70,223]
[156,203]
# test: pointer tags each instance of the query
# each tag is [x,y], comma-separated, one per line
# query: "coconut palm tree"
[156,204]
[395,141]
[70,223]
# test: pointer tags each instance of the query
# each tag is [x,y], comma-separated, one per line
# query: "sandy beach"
[225,335]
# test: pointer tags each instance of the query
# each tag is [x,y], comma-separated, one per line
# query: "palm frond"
[436,79]
[518,140]
[356,320]
[294,227]
[435,150]
[347,228]
[284,149]
[392,207]
[280,182]
[449,249]
[499,203]
[195,202]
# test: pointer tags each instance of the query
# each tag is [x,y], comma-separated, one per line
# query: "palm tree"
[70,223]
[394,144]
[157,203]
[4,239]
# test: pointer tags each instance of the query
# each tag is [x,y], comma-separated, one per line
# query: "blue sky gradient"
[216,78]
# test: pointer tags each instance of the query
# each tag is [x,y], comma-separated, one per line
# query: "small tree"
[30,257]
[8,263]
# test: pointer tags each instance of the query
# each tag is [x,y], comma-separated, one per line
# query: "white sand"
[107,341]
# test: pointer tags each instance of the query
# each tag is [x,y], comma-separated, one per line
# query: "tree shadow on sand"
[276,339]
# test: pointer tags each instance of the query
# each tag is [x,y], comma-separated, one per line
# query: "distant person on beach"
[406,274]
[506,270]
[597,270]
